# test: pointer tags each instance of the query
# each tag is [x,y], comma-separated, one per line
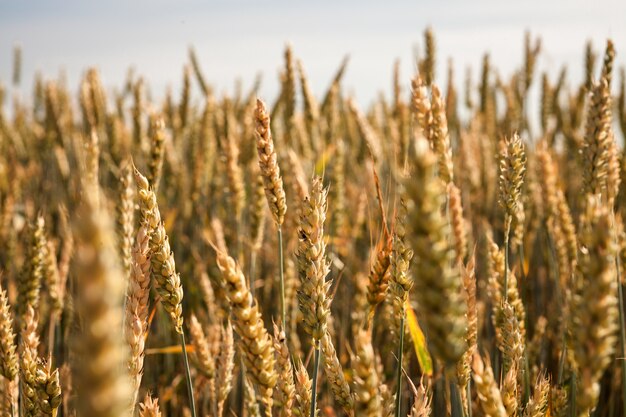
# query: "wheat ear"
[438,284]
[512,170]
[149,407]
[274,190]
[224,370]
[366,380]
[8,356]
[29,343]
[303,392]
[136,308]
[313,268]
[104,386]
[335,375]
[255,342]
[489,396]
[401,284]
[163,269]
[49,389]
[422,402]
[30,279]
[286,392]
[594,305]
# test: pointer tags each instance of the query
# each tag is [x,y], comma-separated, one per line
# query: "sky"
[239,38]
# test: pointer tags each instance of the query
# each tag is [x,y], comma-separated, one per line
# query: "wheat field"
[441,252]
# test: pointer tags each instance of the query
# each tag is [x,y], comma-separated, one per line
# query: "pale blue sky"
[240,38]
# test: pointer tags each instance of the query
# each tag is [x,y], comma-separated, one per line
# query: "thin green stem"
[316,366]
[283,307]
[399,372]
[192,402]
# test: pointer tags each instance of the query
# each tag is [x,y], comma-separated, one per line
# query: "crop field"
[446,250]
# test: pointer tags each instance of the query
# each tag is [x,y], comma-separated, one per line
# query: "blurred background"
[236,39]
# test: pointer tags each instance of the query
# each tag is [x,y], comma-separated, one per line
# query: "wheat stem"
[316,366]
[192,402]
[455,400]
[399,369]
[283,308]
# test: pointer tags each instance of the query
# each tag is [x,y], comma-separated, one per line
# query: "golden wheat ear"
[149,407]
[594,309]
[489,396]
[367,400]
[422,403]
[225,365]
[438,285]
[136,308]
[8,359]
[268,164]
[104,388]
[255,342]
[303,392]
[286,390]
[335,375]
